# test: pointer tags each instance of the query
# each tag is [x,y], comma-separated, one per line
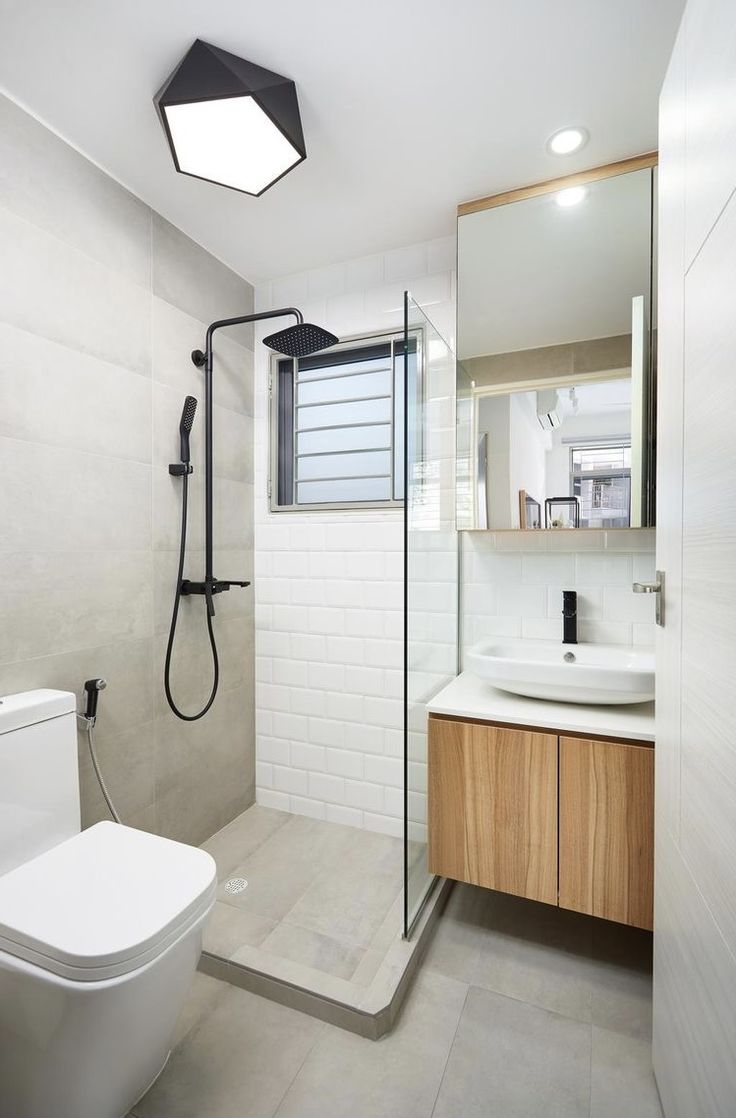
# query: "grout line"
[478,985]
[449,1052]
[318,1037]
[590,1073]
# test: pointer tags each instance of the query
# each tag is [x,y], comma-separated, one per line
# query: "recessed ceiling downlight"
[571,196]
[567,140]
[229,121]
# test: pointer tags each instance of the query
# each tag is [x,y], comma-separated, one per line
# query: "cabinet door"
[607,830]
[493,807]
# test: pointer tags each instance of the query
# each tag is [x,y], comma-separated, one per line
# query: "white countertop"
[468,696]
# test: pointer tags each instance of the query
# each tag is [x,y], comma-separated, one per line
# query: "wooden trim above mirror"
[579,178]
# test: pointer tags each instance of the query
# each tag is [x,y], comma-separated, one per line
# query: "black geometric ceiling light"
[230,122]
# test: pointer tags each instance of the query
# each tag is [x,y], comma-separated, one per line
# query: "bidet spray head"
[187,419]
[93,688]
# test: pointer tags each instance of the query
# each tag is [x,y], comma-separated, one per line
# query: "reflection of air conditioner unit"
[547,413]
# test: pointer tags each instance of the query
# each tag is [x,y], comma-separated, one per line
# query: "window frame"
[349,343]
[609,473]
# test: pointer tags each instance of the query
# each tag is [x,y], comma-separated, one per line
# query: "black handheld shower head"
[300,340]
[187,419]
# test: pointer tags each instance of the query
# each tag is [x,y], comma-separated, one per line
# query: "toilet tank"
[39,776]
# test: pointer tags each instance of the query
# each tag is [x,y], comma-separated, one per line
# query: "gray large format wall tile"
[54,394]
[101,302]
[54,499]
[60,293]
[187,276]
[50,184]
[52,601]
[176,334]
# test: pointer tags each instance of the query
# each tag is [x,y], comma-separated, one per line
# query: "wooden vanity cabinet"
[607,829]
[564,820]
[493,807]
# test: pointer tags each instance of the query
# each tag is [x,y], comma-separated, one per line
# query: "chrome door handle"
[654,588]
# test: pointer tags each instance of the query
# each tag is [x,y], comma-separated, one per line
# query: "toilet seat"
[104,902]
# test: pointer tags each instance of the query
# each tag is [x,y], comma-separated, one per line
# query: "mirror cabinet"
[556,382]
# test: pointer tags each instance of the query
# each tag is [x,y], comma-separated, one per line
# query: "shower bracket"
[209,587]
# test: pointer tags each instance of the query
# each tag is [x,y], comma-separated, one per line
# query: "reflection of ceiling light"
[572,196]
[567,140]
[229,121]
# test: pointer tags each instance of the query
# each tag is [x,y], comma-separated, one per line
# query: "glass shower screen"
[430,572]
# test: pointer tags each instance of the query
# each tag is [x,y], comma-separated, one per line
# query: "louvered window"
[338,426]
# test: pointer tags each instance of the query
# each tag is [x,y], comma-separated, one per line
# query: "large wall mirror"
[556,382]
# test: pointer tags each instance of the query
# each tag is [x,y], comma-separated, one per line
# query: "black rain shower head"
[187,419]
[300,340]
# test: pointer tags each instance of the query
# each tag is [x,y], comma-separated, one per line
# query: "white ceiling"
[605,396]
[408,106]
[533,274]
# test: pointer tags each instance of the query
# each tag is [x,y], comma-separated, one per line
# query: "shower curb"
[366,1022]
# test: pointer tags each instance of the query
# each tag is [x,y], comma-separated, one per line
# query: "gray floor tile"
[321,897]
[273,889]
[458,938]
[511,1060]
[396,1077]
[537,954]
[622,1080]
[236,1063]
[281,869]
[239,1055]
[203,998]
[346,904]
[228,929]
[235,842]
[312,949]
[621,979]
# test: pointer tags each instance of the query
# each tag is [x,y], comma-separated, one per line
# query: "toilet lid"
[104,902]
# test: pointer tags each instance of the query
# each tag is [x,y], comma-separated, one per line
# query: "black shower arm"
[205,359]
[211,585]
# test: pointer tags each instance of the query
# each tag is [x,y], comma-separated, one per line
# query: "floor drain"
[236,885]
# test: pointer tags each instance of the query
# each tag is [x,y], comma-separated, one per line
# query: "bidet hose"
[175,616]
[89,723]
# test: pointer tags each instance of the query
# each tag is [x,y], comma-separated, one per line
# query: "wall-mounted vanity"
[550,801]
[556,402]
[556,383]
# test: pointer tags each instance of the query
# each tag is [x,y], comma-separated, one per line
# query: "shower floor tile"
[322,908]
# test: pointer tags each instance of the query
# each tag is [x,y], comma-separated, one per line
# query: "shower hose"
[174,619]
[89,723]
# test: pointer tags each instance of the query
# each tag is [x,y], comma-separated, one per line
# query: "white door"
[695,874]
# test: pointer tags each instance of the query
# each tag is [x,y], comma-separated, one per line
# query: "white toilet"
[100,931]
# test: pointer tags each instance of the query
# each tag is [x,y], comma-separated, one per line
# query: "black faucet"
[569,617]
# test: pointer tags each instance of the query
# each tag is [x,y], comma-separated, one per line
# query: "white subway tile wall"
[512,585]
[329,585]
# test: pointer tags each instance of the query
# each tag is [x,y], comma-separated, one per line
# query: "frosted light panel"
[231,141]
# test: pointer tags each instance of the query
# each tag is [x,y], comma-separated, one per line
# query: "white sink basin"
[593,673]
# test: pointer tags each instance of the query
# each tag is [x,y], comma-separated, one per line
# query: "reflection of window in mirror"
[569,444]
